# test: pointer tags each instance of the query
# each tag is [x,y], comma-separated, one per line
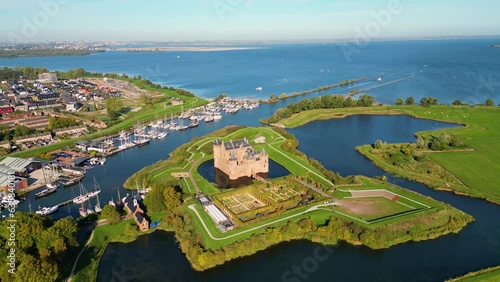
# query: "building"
[238,159]
[177,101]
[133,207]
[73,106]
[47,77]
[19,183]
[20,167]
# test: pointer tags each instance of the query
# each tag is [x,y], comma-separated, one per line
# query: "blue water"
[454,69]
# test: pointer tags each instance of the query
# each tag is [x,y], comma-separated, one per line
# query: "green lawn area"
[372,208]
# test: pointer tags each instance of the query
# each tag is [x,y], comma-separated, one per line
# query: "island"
[215,223]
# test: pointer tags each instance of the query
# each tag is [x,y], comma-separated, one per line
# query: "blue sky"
[116,20]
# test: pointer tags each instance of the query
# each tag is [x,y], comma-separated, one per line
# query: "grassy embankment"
[491,274]
[127,121]
[474,170]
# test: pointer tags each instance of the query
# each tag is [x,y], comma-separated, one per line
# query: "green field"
[477,170]
[371,208]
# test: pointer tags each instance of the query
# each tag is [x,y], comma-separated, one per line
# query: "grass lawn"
[371,208]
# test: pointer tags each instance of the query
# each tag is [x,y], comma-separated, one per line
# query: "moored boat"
[46,210]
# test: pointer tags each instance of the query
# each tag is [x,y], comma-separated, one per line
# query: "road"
[311,209]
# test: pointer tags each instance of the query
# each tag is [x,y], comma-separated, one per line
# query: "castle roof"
[231,145]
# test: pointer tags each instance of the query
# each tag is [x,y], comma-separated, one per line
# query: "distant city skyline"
[215,20]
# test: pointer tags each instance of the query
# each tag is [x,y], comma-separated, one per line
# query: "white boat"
[217,116]
[258,88]
[209,119]
[46,210]
[84,196]
[162,135]
[52,185]
[82,211]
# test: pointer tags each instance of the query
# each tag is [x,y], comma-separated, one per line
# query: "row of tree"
[61,122]
[334,230]
[323,102]
[429,101]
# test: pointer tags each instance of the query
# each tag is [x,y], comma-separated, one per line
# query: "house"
[18,166]
[73,106]
[47,77]
[133,208]
[6,179]
[177,101]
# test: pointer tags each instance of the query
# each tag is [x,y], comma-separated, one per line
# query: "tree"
[147,100]
[365,101]
[172,198]
[410,101]
[273,97]
[457,102]
[489,102]
[154,200]
[113,106]
[21,130]
[400,101]
[283,95]
[109,212]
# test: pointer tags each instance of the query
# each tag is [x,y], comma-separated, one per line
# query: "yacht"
[82,211]
[47,191]
[84,196]
[46,210]
[209,119]
[258,88]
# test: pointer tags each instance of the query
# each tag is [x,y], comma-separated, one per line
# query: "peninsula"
[437,157]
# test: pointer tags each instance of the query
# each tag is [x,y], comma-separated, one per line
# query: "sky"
[212,20]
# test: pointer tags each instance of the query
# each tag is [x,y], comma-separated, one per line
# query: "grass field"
[477,170]
[371,208]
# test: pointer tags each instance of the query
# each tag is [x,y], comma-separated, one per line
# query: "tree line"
[329,233]
[430,101]
[323,102]
[41,247]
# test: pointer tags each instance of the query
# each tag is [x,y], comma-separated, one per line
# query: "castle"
[238,159]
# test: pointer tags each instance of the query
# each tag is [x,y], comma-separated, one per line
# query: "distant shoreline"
[184,48]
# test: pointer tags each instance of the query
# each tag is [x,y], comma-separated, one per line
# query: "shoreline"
[185,49]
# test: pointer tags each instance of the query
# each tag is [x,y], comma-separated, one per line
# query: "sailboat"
[84,196]
[97,206]
[82,211]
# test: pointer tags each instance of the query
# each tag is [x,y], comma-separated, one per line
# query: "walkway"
[78,257]
[313,187]
[288,157]
[311,209]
